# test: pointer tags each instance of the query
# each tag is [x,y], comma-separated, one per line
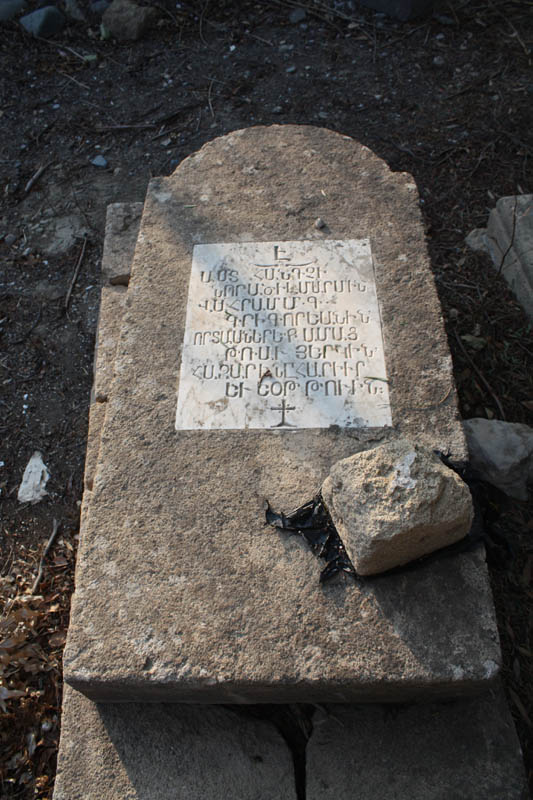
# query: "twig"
[167,130]
[201,22]
[61,47]
[145,126]
[174,114]
[260,39]
[471,86]
[481,377]
[502,262]
[525,48]
[76,271]
[452,11]
[36,177]
[19,341]
[70,78]
[399,39]
[209,99]
[46,550]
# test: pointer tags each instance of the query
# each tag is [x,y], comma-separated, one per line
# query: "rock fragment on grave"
[394,504]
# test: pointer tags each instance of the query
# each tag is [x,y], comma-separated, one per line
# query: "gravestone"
[182,593]
[508,240]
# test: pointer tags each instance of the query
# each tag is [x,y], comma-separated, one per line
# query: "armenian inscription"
[283,335]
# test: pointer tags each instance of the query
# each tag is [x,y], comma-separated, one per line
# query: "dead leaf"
[57,639]
[8,694]
[474,342]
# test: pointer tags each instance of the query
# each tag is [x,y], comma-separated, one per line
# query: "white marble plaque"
[283,335]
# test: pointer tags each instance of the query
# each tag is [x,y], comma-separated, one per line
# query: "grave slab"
[182,592]
[139,751]
[465,750]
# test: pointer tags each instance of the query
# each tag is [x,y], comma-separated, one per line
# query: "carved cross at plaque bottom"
[283,408]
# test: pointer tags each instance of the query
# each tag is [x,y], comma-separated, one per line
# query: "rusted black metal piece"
[313,522]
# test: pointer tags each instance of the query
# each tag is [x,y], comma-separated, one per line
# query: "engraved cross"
[284,408]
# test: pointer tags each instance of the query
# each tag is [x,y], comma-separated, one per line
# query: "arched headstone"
[182,592]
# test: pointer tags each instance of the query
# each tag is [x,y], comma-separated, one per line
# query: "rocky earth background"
[95,101]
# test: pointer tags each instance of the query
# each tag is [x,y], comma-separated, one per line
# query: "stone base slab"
[168,752]
[464,750]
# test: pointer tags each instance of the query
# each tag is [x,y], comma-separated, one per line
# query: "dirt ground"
[448,99]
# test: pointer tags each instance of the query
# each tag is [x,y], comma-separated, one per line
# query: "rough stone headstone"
[10,9]
[508,240]
[465,750]
[182,592]
[501,453]
[394,504]
[121,231]
[401,9]
[43,22]
[127,21]
[74,10]
[168,752]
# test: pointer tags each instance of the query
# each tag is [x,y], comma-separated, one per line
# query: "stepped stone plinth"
[111,751]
